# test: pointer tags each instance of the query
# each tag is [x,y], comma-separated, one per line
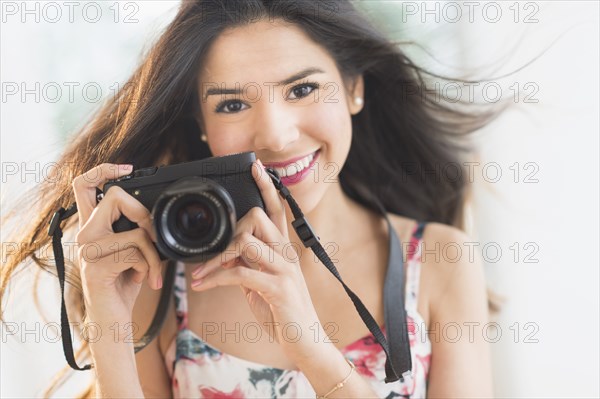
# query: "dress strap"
[180,290]
[393,301]
[413,266]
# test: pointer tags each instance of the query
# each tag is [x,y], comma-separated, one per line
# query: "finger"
[213,264]
[138,267]
[115,203]
[226,259]
[84,186]
[258,224]
[252,251]
[274,204]
[248,278]
[117,258]
[131,249]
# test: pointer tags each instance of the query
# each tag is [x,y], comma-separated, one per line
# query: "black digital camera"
[194,205]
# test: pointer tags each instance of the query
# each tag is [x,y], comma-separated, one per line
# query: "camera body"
[194,205]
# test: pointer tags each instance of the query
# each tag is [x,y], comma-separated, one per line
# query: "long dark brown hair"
[402,131]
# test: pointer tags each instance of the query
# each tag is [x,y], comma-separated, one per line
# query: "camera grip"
[123,224]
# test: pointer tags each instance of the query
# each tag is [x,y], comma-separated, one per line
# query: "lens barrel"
[194,219]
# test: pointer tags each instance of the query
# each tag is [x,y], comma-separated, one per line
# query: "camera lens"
[194,219]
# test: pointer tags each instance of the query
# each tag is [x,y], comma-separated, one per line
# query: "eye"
[229,107]
[302,90]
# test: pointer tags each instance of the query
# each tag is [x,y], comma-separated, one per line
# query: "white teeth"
[292,169]
[295,167]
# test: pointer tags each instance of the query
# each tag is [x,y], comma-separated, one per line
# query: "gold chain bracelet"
[339,384]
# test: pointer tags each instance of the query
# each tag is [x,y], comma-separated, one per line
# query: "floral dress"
[199,370]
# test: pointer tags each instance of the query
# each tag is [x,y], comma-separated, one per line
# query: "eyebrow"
[297,76]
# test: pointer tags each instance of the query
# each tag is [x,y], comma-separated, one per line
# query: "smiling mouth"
[295,167]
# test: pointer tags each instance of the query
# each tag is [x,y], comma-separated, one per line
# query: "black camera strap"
[398,357]
[55,232]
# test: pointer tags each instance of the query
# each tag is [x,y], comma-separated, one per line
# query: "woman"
[305,85]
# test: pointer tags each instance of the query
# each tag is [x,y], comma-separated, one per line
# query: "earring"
[203,137]
[358,101]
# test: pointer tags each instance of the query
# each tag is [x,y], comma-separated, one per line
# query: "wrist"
[116,370]
[340,384]
[321,355]
[308,345]
[331,372]
[96,329]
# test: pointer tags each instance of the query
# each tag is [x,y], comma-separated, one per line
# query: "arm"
[462,368]
[115,368]
[119,372]
[112,279]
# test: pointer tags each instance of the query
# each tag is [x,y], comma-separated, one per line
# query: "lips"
[288,162]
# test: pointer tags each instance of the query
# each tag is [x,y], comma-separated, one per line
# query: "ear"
[357,92]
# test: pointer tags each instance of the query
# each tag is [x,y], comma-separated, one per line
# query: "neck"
[336,220]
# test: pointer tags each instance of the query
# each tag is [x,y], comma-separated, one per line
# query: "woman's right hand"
[113,265]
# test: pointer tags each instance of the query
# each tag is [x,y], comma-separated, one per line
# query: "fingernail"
[159,282]
[260,163]
[196,283]
[126,167]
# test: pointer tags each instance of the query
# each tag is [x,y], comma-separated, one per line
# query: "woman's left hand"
[261,260]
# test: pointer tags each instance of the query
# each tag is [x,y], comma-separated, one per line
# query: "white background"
[556,354]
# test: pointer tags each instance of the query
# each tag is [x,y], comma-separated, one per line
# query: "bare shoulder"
[451,270]
[456,291]
[454,272]
[452,291]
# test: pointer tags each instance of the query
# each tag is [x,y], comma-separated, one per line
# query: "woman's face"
[268,88]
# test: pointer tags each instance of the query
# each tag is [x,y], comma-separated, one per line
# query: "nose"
[275,127]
